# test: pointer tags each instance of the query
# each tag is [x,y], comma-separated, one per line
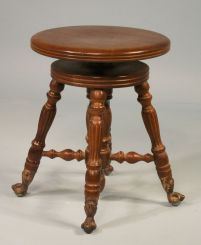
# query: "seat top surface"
[100,43]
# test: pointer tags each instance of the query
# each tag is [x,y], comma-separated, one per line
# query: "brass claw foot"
[175,198]
[20,189]
[89,225]
[108,169]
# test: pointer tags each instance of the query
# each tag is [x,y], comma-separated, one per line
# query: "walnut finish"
[66,154]
[106,147]
[160,156]
[100,75]
[131,157]
[95,117]
[100,43]
[99,58]
[35,152]
[107,137]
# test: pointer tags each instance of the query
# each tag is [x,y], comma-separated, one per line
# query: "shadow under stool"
[99,58]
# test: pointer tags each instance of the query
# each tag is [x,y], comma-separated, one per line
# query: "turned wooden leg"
[107,141]
[160,156]
[35,152]
[106,146]
[95,114]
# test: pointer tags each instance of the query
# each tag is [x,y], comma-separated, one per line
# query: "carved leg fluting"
[35,152]
[107,140]
[106,147]
[93,160]
[160,156]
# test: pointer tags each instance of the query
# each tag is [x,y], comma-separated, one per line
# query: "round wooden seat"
[100,43]
[99,75]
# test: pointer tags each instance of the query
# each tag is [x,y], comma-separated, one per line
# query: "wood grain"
[100,75]
[67,154]
[99,58]
[35,152]
[93,161]
[100,43]
[131,157]
[160,156]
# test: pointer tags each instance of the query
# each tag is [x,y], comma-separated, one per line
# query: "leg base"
[89,225]
[108,169]
[175,198]
[20,189]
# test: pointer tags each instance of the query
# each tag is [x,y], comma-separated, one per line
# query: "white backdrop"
[133,207]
